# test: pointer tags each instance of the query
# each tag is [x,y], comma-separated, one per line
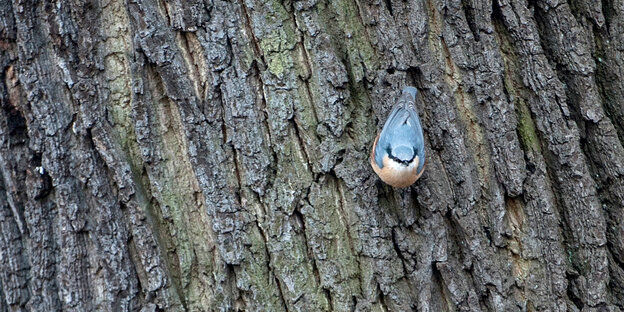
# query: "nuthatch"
[398,155]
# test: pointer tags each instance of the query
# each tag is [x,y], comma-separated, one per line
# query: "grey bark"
[213,156]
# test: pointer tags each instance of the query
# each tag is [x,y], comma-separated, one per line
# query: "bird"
[398,155]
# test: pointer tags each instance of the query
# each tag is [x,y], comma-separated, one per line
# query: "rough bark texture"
[213,155]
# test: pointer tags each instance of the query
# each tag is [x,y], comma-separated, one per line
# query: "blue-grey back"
[402,128]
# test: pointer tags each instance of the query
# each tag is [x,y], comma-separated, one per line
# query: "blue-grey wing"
[419,140]
[387,132]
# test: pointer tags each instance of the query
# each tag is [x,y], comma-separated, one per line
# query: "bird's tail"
[412,91]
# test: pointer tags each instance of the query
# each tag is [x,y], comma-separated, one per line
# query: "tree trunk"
[214,156]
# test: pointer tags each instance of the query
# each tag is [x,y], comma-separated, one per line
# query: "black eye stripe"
[404,162]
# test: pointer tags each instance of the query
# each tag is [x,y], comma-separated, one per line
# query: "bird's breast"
[397,174]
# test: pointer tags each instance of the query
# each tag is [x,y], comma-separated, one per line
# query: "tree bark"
[213,156]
